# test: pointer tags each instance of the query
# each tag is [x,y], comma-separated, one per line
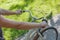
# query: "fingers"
[44,24]
[19,11]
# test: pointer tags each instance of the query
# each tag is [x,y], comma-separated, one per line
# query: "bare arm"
[8,12]
[20,25]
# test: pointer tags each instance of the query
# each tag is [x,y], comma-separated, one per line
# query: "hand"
[19,12]
[44,24]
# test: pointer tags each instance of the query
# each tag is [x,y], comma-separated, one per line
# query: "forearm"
[7,23]
[7,12]
[20,25]
[30,25]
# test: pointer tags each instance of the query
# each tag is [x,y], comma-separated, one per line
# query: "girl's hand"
[19,12]
[44,24]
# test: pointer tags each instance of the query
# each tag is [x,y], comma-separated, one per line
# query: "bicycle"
[37,34]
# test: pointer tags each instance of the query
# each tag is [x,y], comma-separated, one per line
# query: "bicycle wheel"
[50,33]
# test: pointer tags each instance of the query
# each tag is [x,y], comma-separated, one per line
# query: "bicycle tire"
[42,31]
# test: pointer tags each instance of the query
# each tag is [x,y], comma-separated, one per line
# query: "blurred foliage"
[38,8]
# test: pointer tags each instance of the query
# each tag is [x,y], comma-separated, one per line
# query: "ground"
[55,22]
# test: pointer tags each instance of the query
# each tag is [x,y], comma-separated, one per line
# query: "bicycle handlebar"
[35,18]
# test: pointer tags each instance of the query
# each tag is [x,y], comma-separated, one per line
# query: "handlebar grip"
[25,11]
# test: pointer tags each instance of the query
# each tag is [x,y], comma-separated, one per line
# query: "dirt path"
[56,22]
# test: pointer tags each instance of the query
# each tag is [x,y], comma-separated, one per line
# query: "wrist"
[18,12]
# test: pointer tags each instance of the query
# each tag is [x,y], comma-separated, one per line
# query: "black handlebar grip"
[23,11]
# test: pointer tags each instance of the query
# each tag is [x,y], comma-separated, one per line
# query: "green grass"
[39,8]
